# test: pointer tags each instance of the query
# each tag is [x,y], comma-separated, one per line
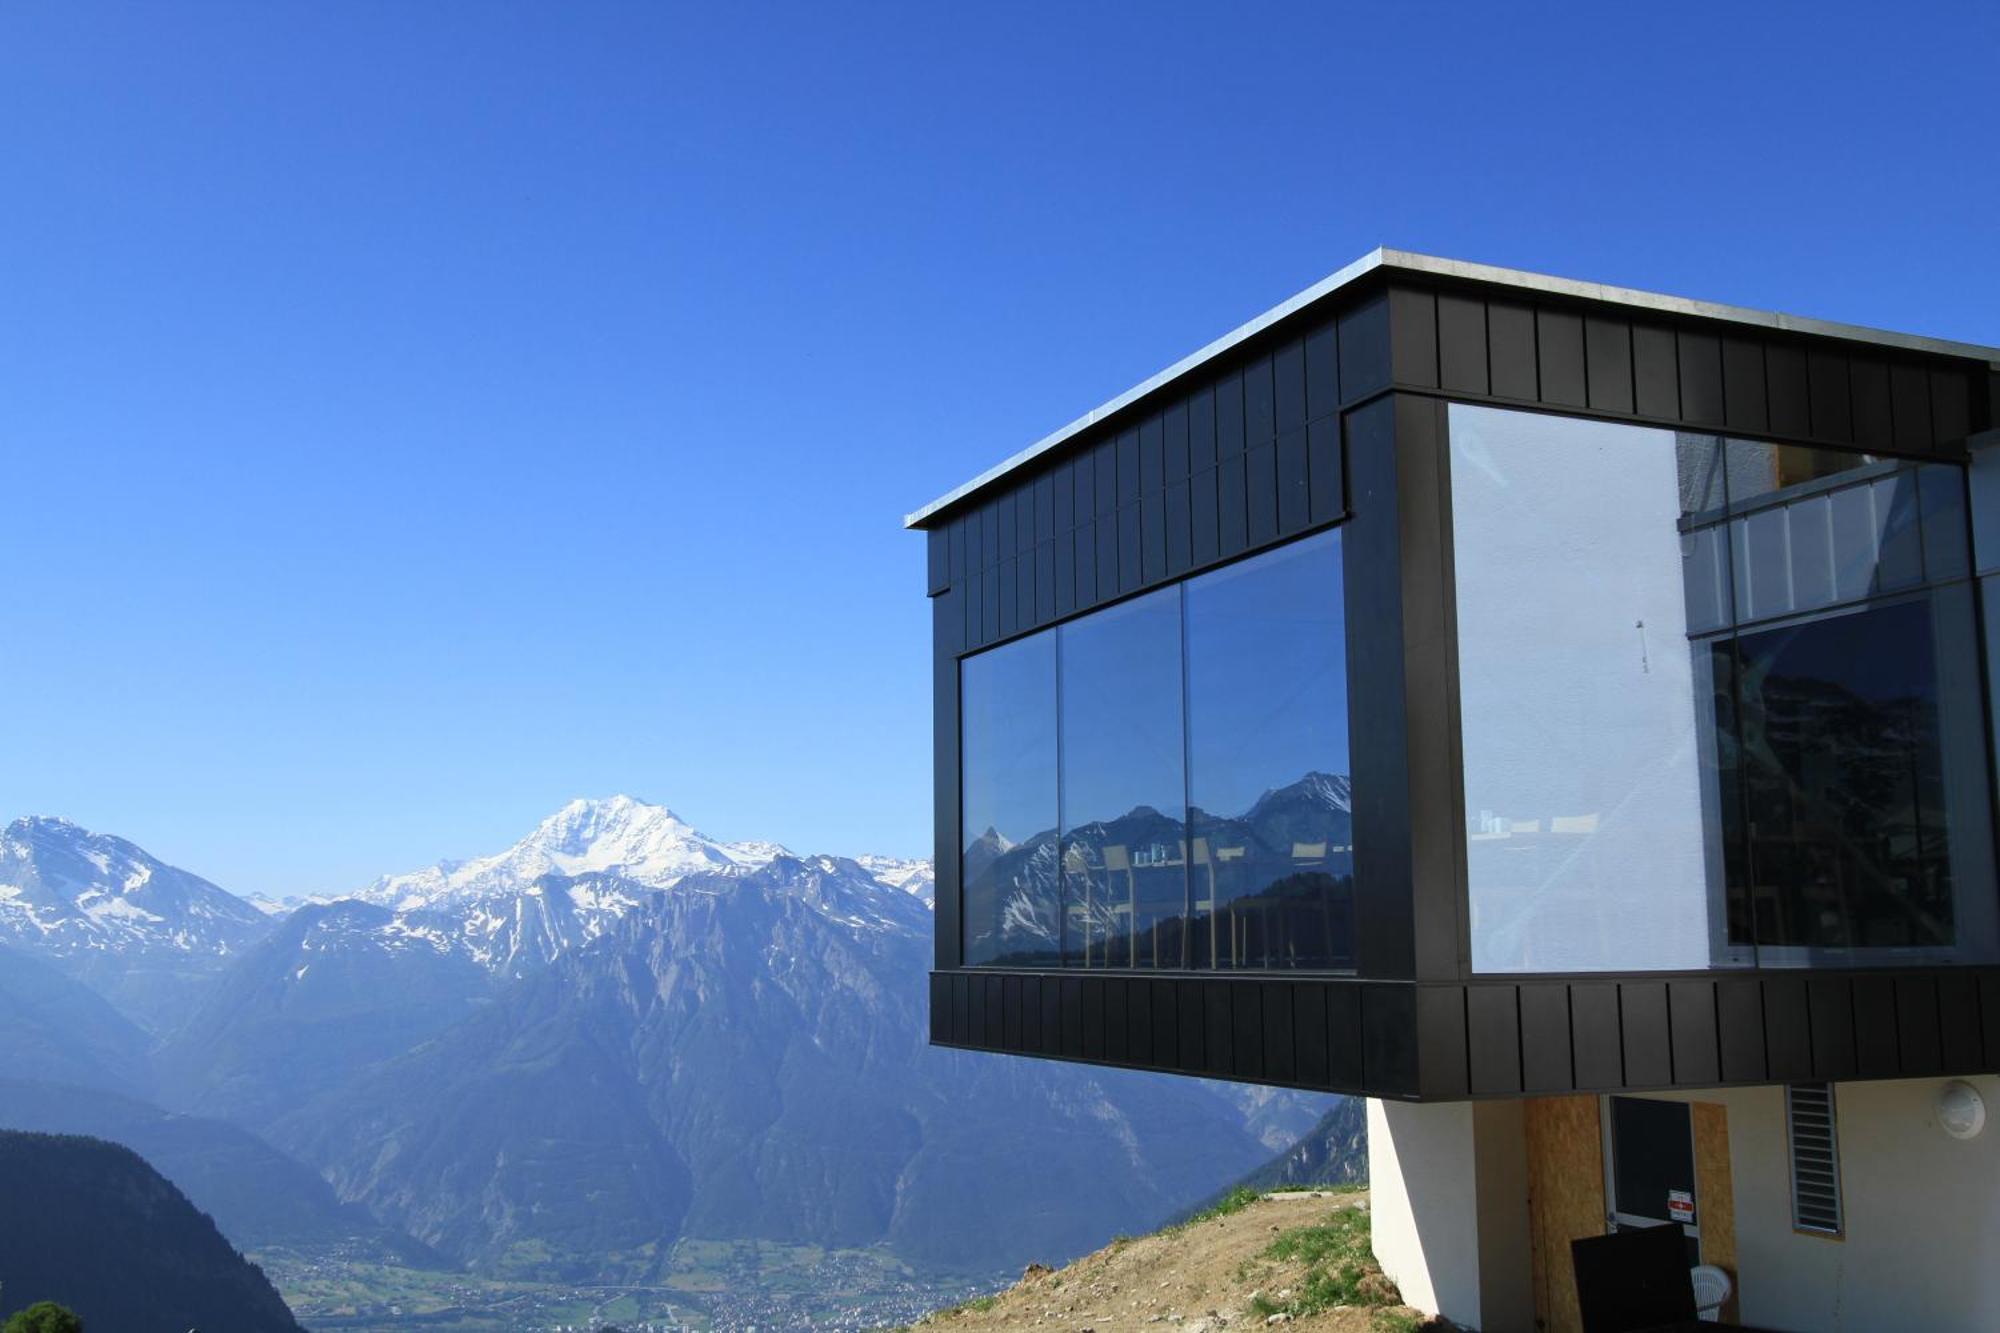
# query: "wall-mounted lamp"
[1961,1110]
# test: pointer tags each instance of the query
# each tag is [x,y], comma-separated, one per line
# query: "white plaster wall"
[1448,1196]
[1922,1248]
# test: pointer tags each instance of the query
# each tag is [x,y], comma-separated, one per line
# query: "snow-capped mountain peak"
[621,835]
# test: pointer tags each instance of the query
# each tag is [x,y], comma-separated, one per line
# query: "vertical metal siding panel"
[1010,1014]
[1642,1016]
[1389,1036]
[1229,414]
[1205,539]
[1510,350]
[1323,470]
[1072,1017]
[1958,1023]
[1083,481]
[1364,350]
[1691,1020]
[1093,1018]
[1231,507]
[1288,386]
[1441,1055]
[1910,405]
[990,605]
[1166,1025]
[1085,538]
[940,1007]
[1063,517]
[1115,1018]
[1786,387]
[1951,406]
[1739,1013]
[1217,1024]
[1180,533]
[1191,1027]
[1260,466]
[996,1026]
[1294,495]
[989,534]
[1868,390]
[976,1014]
[1009,598]
[1104,483]
[1006,510]
[1246,1039]
[1788,1036]
[961,1008]
[1309,1031]
[1062,575]
[1026,576]
[1918,1039]
[1989,1017]
[1830,1010]
[1130,547]
[1875,1027]
[1701,379]
[1413,337]
[1201,428]
[1545,1057]
[1607,357]
[1344,1068]
[1744,405]
[1031,1014]
[1139,1022]
[1559,348]
[1322,373]
[1280,1059]
[1461,331]
[1594,1035]
[1175,463]
[1153,538]
[1152,454]
[1128,465]
[937,560]
[1107,556]
[1656,372]
[1260,413]
[1832,407]
[948,631]
[1493,1038]
[1052,1015]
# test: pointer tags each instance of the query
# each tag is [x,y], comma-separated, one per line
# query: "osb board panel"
[1714,1194]
[1565,1143]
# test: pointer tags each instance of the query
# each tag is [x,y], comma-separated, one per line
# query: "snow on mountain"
[918,878]
[68,891]
[647,844]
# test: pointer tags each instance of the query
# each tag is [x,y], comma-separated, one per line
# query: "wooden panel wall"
[1612,361]
[1565,1149]
[1715,1195]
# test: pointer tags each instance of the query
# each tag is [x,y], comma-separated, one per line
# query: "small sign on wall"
[1680,1206]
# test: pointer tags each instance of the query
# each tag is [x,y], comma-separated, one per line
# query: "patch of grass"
[1398,1321]
[1340,1268]
[1233,1202]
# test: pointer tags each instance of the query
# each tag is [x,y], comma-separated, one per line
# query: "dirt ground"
[1200,1278]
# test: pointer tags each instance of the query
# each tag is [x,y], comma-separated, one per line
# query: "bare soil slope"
[1296,1260]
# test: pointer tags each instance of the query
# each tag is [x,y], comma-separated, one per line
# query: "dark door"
[1651,1152]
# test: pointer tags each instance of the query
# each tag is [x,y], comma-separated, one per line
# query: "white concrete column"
[1448,1185]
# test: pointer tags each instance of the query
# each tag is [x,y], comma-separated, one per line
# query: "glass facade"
[1719,698]
[1163,784]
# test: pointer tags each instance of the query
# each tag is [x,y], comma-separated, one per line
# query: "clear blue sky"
[415,415]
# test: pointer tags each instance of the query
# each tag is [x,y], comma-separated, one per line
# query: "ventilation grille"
[1815,1158]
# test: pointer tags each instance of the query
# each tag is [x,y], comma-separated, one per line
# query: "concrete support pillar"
[1449,1189]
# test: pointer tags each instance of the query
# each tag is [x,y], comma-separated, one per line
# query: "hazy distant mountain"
[138,931]
[744,1056]
[57,1029]
[90,1224]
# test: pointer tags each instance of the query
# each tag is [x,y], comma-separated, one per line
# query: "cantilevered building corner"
[1558,712]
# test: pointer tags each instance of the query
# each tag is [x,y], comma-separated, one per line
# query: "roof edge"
[1409,261]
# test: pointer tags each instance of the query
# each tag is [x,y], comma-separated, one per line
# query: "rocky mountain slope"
[91,1225]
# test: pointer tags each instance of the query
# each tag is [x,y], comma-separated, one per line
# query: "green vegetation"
[44,1317]
[1340,1269]
[1233,1202]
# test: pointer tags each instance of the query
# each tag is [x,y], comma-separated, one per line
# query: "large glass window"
[1273,833]
[1011,908]
[1124,788]
[1089,748]
[1719,701]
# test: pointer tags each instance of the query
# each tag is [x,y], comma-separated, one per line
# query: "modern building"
[1560,714]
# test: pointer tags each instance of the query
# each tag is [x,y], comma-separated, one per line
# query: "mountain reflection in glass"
[1008,732]
[1271,863]
[1124,794]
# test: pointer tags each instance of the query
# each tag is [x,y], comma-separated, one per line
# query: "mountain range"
[564,1058]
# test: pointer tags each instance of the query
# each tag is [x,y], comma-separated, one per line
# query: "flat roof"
[1407,262]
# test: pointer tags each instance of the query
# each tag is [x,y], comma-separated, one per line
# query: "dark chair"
[1633,1279]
